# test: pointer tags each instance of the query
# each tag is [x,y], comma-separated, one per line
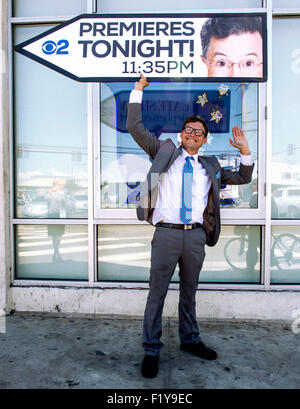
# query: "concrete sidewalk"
[62,352]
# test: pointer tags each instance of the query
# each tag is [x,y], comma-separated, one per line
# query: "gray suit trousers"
[169,247]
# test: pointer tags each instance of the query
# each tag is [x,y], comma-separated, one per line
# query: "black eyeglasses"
[198,132]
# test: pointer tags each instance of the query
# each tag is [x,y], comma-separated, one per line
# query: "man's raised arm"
[145,139]
[244,174]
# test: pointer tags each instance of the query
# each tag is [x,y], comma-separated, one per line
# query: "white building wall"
[4,164]
[242,305]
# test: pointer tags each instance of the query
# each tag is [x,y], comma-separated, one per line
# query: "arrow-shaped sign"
[93,47]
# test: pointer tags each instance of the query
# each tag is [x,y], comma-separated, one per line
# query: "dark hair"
[222,27]
[195,118]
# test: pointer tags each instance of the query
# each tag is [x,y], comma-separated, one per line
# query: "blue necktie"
[186,192]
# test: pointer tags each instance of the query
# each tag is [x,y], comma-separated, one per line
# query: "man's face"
[190,141]
[235,56]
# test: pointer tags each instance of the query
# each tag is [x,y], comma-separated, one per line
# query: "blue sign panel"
[165,112]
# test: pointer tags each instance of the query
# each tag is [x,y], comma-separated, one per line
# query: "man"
[181,198]
[232,47]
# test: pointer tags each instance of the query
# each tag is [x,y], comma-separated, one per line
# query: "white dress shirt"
[167,208]
[168,203]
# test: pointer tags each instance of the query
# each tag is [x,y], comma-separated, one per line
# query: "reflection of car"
[288,201]
[79,203]
[229,196]
[22,198]
[37,207]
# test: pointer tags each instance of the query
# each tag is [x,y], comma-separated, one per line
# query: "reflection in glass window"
[124,165]
[286,3]
[50,139]
[53,251]
[285,255]
[124,252]
[236,257]
[31,8]
[171,6]
[124,255]
[285,142]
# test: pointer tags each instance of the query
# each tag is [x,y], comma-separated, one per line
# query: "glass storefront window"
[31,8]
[124,252]
[285,255]
[136,6]
[124,255]
[124,164]
[50,139]
[285,142]
[286,3]
[52,251]
[51,173]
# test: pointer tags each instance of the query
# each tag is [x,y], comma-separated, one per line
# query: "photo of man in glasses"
[232,47]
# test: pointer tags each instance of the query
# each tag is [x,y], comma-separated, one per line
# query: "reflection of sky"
[50,116]
[219,144]
[286,89]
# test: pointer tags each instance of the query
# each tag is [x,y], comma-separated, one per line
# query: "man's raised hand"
[239,140]
[142,83]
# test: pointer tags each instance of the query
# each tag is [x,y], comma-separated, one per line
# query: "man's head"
[58,184]
[232,46]
[193,134]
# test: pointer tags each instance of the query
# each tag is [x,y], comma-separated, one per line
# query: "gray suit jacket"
[164,153]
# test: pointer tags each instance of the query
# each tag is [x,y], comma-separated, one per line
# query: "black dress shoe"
[150,366]
[199,350]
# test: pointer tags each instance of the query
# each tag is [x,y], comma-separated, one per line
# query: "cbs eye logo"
[50,47]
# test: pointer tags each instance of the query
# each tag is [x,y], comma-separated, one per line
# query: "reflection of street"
[35,252]
[124,254]
[54,161]
[287,201]
[242,252]
[36,205]
[216,266]
[285,256]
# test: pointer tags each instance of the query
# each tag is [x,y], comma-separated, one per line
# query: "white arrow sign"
[118,47]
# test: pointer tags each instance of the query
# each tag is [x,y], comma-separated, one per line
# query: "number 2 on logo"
[63,45]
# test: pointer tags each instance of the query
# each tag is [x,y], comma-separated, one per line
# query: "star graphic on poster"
[202,99]
[216,116]
[223,90]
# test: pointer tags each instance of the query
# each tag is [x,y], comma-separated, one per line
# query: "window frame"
[262,218]
[276,13]
[226,214]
